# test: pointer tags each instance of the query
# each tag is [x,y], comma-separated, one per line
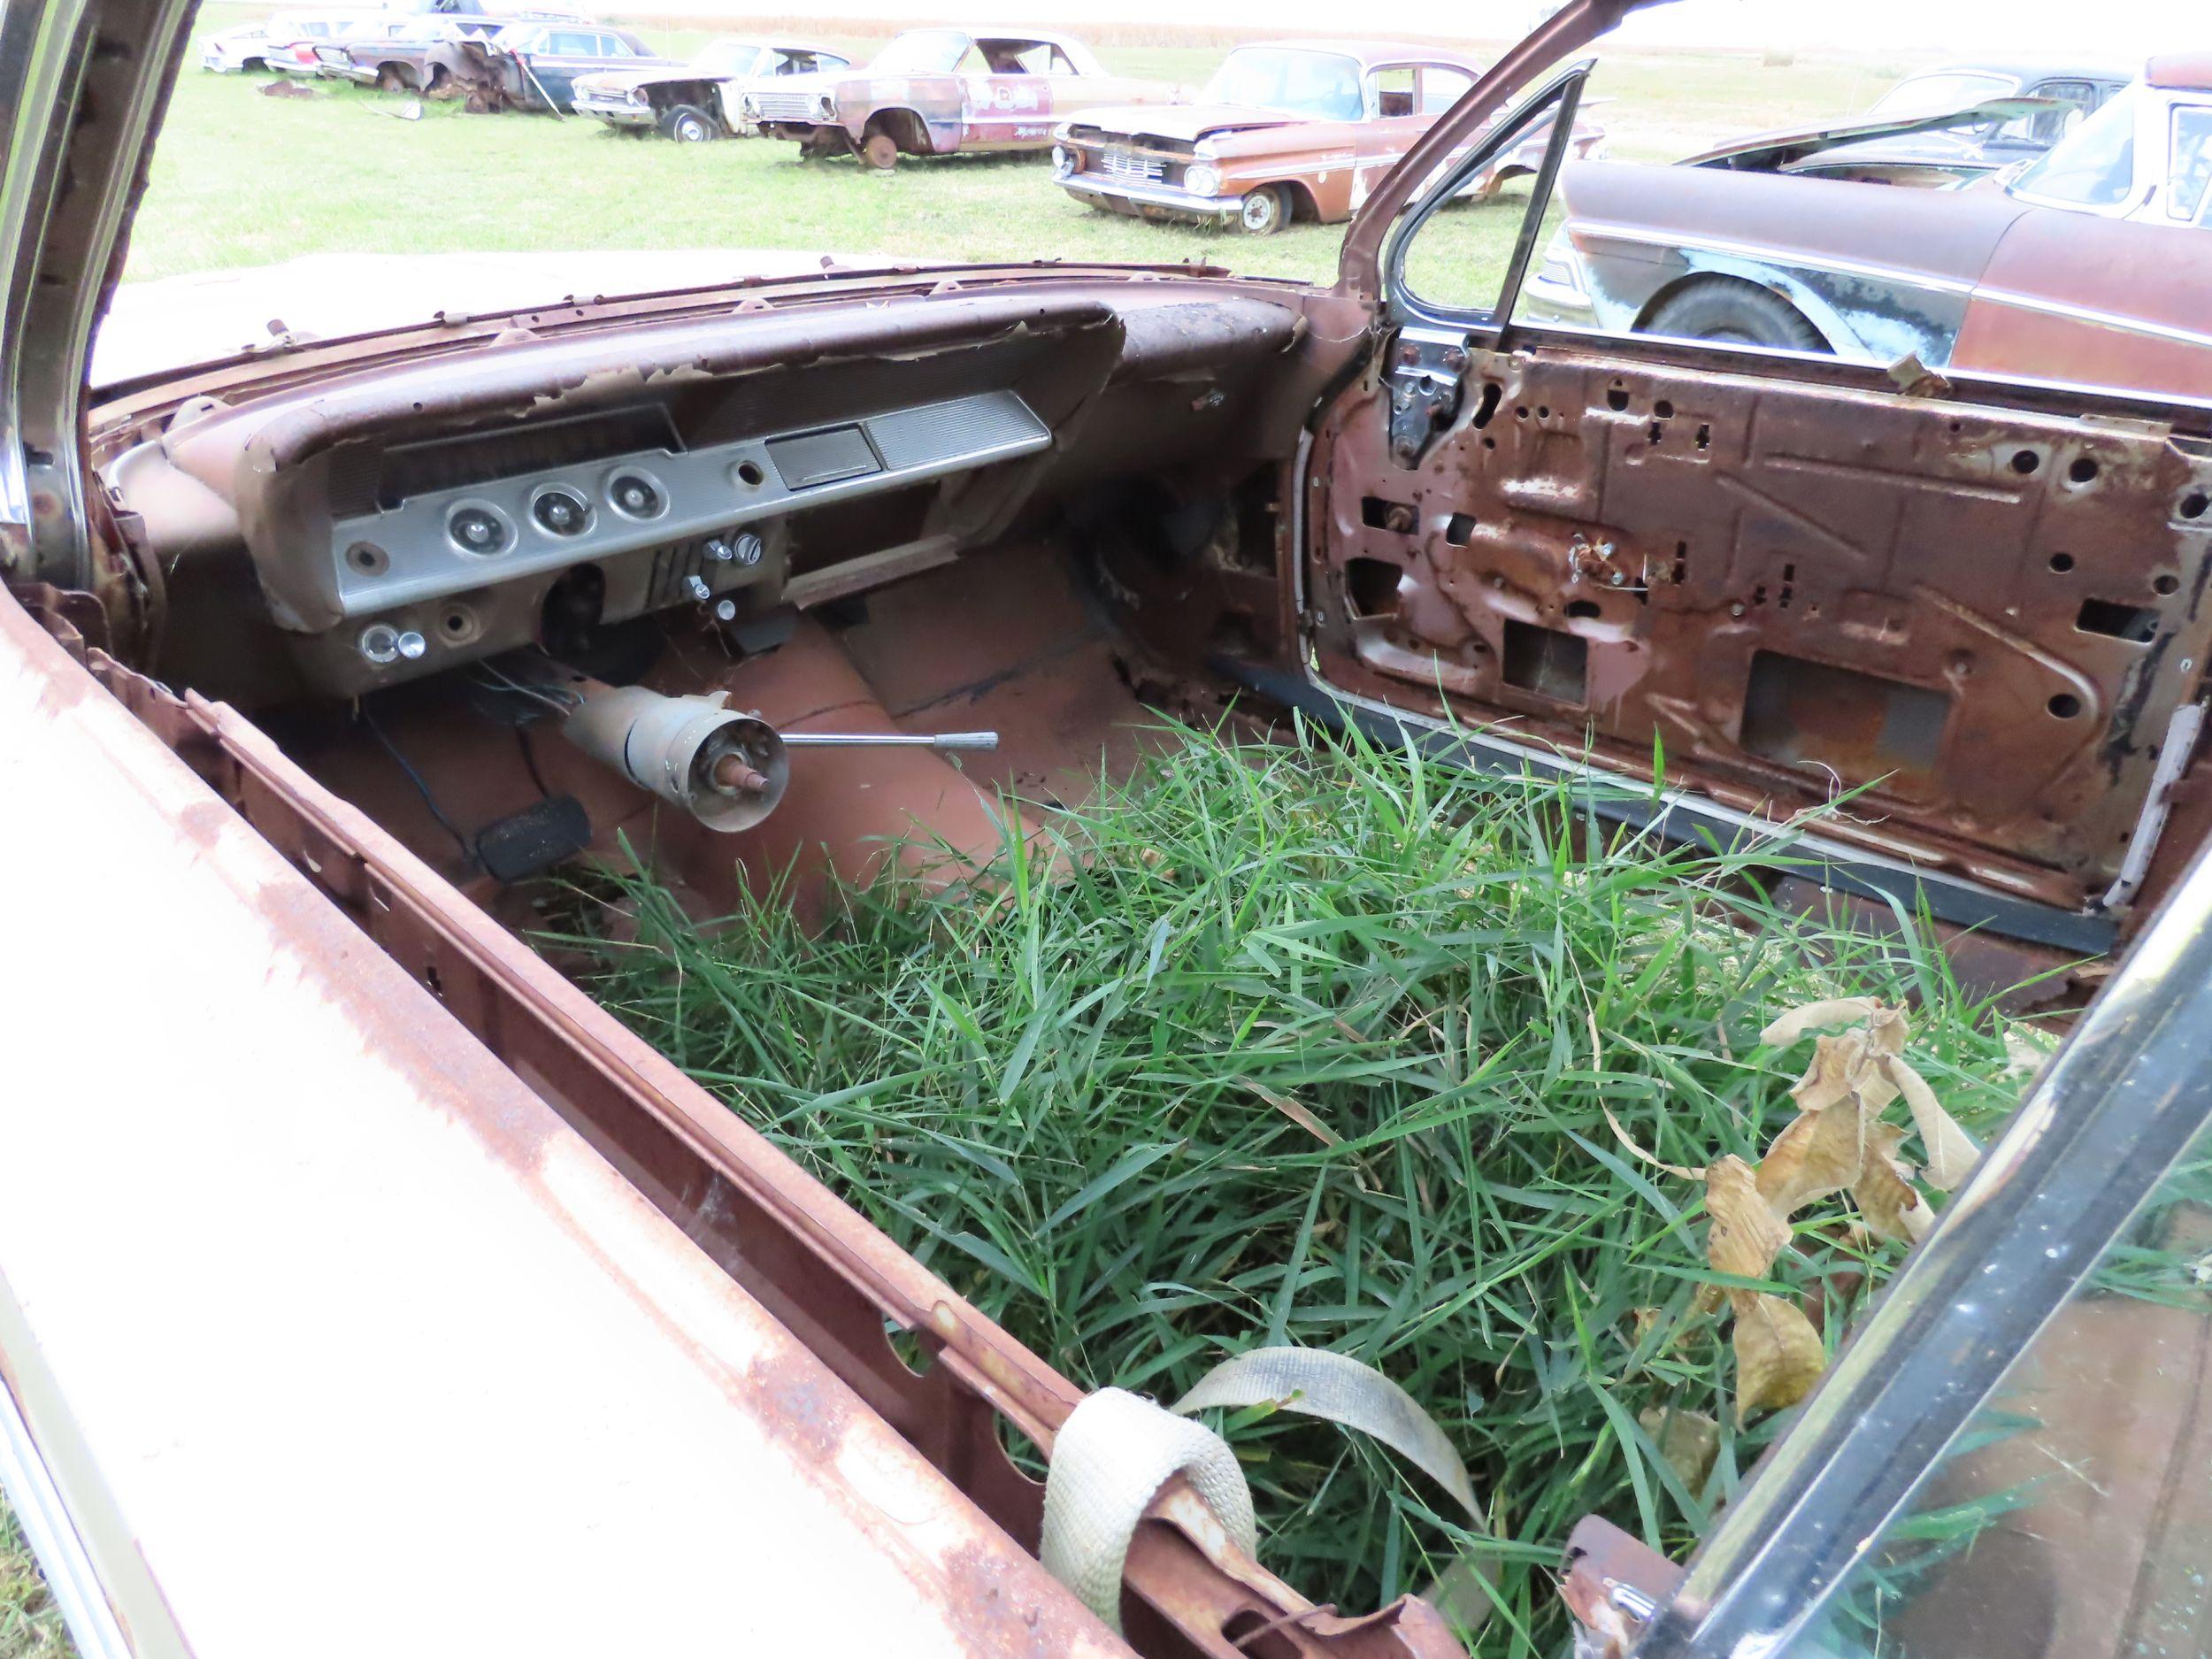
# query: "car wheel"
[881,151]
[1266,210]
[687,123]
[1737,312]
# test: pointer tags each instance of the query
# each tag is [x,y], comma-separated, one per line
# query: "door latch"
[1426,369]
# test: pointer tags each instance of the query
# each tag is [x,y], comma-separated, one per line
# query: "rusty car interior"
[394,599]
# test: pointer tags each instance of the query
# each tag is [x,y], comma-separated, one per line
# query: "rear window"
[2095,165]
[1932,94]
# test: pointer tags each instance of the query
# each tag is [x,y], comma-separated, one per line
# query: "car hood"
[157,328]
[1772,151]
[623,80]
[1186,122]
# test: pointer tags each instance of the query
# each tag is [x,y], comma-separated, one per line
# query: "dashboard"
[430,513]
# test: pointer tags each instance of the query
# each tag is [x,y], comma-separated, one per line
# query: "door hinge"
[1425,368]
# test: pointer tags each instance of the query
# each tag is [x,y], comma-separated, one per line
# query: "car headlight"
[1200,180]
[1063,163]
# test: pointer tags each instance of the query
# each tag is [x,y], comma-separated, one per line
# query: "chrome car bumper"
[1121,195]
[617,111]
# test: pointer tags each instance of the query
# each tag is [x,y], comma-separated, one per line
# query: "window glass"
[1324,86]
[1459,260]
[568,43]
[1390,92]
[2094,165]
[1932,94]
[922,52]
[1441,88]
[2046,127]
[2075,1515]
[2191,169]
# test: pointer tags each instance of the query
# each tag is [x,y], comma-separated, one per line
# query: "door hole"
[2065,705]
[2132,623]
[1372,586]
[1459,529]
[1542,660]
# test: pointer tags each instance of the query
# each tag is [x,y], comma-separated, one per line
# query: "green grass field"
[241,179]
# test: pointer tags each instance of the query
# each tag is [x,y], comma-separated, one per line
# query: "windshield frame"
[1358,71]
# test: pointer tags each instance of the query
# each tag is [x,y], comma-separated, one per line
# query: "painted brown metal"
[1329,166]
[839,1285]
[1981,619]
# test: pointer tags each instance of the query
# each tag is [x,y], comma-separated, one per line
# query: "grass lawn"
[240,179]
[30,1625]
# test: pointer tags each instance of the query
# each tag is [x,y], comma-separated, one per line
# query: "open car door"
[1962,625]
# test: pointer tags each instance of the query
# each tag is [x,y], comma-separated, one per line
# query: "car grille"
[784,106]
[1122,163]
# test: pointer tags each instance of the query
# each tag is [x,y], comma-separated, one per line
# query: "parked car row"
[1286,130]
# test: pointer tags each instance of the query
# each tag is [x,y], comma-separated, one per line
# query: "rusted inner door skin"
[1984,619]
[836,1282]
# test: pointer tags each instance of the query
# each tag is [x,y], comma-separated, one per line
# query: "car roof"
[2026,69]
[1369,51]
[2181,71]
[774,43]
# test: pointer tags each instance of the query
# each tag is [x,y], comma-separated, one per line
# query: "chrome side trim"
[2091,315]
[1773,256]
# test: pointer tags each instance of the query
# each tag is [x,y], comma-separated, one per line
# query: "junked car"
[704,99]
[294,41]
[230,52]
[394,51]
[393,56]
[936,91]
[1285,130]
[313,655]
[2088,264]
[533,66]
[1940,128]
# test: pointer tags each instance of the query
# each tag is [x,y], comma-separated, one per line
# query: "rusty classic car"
[533,66]
[340,1229]
[2088,264]
[1286,130]
[932,92]
[394,51]
[703,100]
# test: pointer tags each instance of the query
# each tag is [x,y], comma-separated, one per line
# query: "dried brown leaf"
[1297,1114]
[1689,1440]
[1822,1152]
[1778,1353]
[1746,1235]
[1885,1030]
[1836,1065]
[1951,1152]
[1843,1011]
[1884,1195]
[1621,1135]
